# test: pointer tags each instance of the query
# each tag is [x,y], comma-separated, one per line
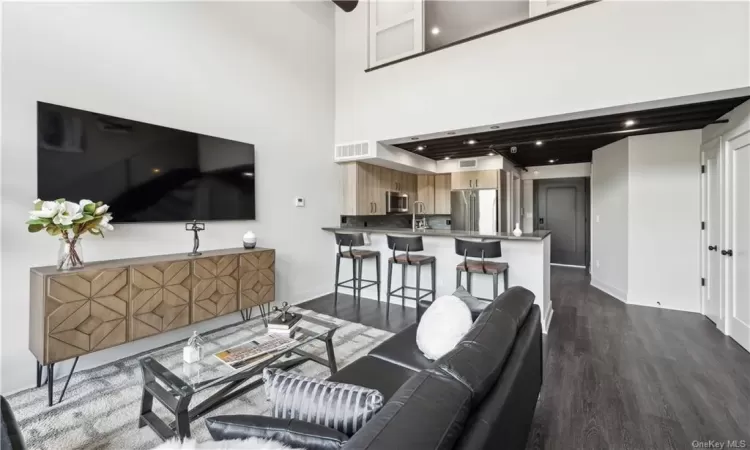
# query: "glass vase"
[70,255]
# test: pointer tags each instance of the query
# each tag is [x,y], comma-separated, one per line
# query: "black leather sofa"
[481,395]
[10,435]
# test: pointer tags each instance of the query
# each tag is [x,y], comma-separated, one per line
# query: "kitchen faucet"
[414,226]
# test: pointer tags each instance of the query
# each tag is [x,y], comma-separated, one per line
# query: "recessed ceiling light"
[536,172]
[435,30]
[514,149]
[155,170]
[494,127]
[629,123]
[421,147]
[450,133]
[248,174]
[552,161]
[491,154]
[539,143]
[415,139]
[471,142]
[447,157]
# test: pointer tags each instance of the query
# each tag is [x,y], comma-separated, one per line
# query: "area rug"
[101,405]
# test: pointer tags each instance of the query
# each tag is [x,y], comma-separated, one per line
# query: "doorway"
[711,183]
[561,206]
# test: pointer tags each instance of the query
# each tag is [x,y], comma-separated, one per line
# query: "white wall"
[557,171]
[579,60]
[664,219]
[222,69]
[609,219]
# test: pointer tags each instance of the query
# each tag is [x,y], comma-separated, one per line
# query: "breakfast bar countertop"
[533,236]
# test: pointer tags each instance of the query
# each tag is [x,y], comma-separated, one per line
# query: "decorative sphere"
[249,240]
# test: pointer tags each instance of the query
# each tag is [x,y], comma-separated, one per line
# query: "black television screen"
[146,173]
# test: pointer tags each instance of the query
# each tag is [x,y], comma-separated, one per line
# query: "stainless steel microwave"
[396,202]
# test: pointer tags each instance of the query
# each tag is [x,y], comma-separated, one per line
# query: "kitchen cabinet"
[442,194]
[364,188]
[474,179]
[426,193]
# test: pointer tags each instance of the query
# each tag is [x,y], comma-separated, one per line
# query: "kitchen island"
[528,258]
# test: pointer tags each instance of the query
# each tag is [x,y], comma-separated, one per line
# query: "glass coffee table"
[173,382]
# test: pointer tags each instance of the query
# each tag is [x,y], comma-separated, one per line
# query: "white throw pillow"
[443,324]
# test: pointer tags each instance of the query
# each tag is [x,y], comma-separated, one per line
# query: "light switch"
[299,202]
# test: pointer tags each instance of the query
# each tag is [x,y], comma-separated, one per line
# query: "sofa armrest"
[11,433]
[291,432]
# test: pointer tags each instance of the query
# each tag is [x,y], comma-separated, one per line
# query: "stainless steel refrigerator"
[474,210]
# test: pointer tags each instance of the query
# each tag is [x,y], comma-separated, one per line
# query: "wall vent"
[352,150]
[467,164]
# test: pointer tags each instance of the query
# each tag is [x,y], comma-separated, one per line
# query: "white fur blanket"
[234,444]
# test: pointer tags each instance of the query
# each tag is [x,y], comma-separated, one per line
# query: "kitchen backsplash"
[436,222]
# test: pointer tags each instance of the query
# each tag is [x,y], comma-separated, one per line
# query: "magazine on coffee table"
[254,351]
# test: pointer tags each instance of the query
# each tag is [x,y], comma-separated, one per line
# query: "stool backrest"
[405,243]
[350,239]
[476,249]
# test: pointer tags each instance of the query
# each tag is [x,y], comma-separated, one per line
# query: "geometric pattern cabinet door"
[160,298]
[86,311]
[214,287]
[257,278]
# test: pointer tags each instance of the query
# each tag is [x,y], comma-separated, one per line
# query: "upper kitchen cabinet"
[435,192]
[443,193]
[426,194]
[361,190]
[474,179]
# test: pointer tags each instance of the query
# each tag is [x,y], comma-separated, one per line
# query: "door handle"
[727,252]
[470,183]
[712,248]
[375,207]
[476,182]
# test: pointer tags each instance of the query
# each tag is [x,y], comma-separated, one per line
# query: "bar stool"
[483,249]
[408,244]
[357,256]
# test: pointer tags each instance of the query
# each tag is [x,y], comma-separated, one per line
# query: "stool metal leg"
[403,285]
[354,278]
[388,287]
[419,273]
[494,286]
[359,279]
[336,281]
[434,277]
[468,282]
[505,279]
[458,278]
[377,274]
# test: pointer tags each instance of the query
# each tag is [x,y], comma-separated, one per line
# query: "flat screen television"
[146,173]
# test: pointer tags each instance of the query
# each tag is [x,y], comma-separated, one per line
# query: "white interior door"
[739,258]
[711,292]
[396,29]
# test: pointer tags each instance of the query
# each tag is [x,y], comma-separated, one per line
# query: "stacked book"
[285,323]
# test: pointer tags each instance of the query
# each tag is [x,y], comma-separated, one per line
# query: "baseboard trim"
[607,289]
[567,265]
[636,303]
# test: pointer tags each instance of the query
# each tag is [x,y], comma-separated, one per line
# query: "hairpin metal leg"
[50,377]
[68,380]
[242,314]
[39,374]
[263,314]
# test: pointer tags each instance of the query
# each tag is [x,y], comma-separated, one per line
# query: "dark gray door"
[562,208]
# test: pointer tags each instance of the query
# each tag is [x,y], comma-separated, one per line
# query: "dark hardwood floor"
[634,377]
[617,376]
[367,312]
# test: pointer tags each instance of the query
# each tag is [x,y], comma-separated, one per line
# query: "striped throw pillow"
[344,407]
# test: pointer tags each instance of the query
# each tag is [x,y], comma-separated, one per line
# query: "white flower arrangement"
[70,221]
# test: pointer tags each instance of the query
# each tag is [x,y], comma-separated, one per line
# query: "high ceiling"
[571,141]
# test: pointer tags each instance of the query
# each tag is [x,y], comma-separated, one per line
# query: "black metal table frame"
[177,398]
